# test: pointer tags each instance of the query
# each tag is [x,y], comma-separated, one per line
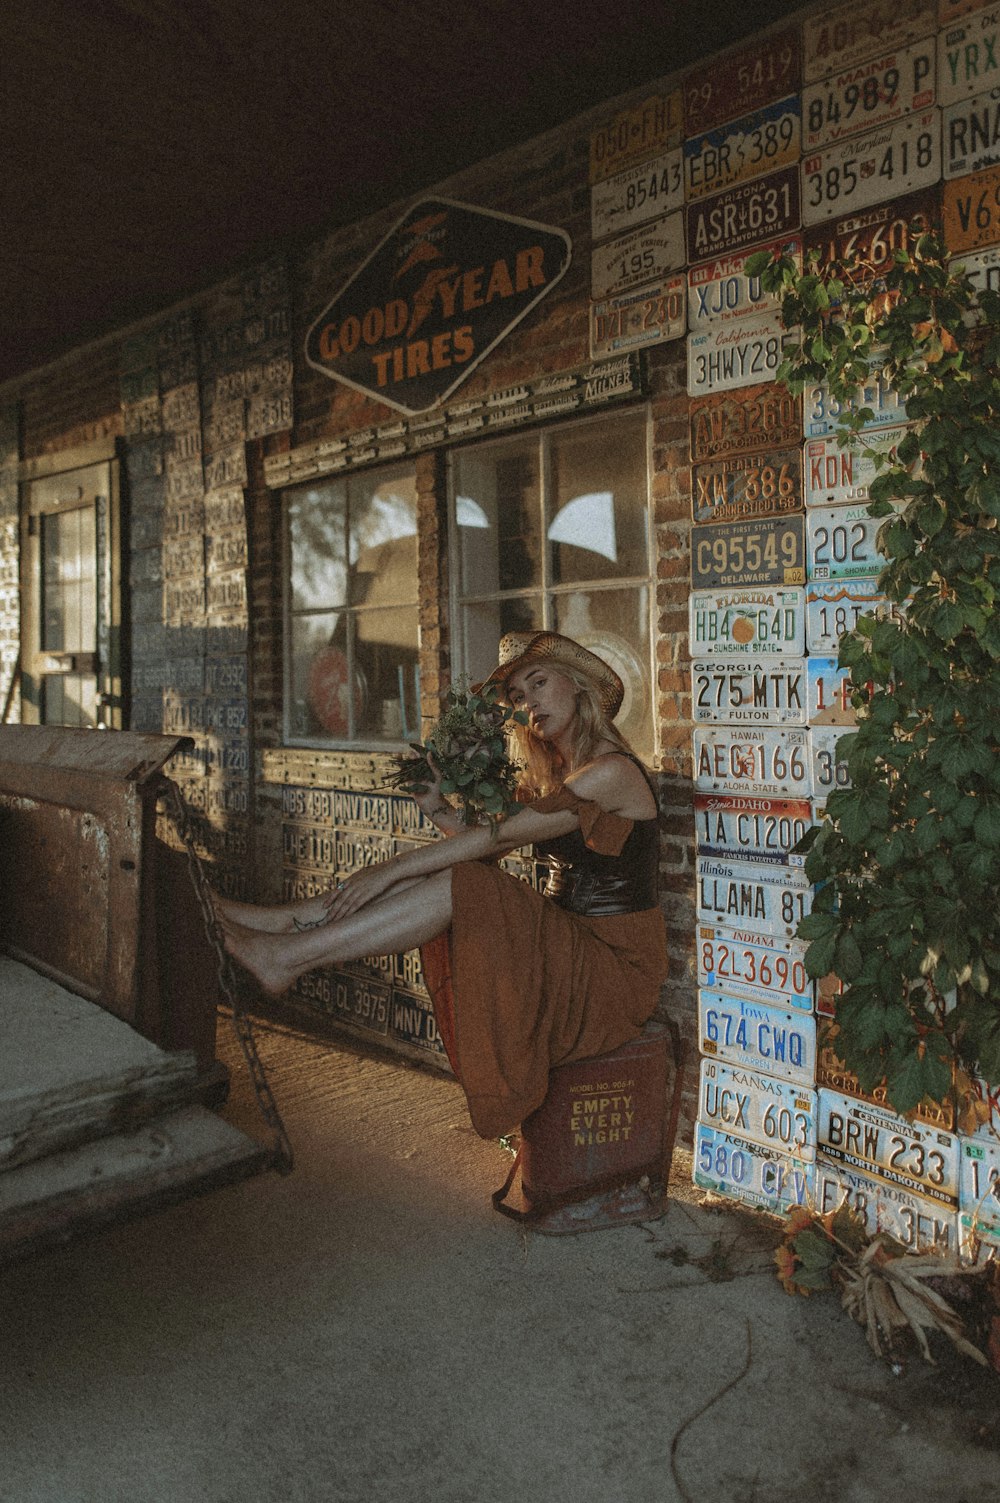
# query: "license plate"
[834,475]
[744,759]
[742,353]
[755,967]
[761,1177]
[637,319]
[834,607]
[919,1224]
[833,1074]
[863,170]
[969,56]
[747,486]
[767,1111]
[751,829]
[732,86]
[761,897]
[734,424]
[637,134]
[412,1021]
[972,210]
[746,553]
[865,95]
[771,691]
[981,267]
[830,693]
[757,1037]
[822,414]
[834,39]
[842,542]
[762,141]
[923,1160]
[646,191]
[970,134]
[634,260]
[766,208]
[979,1191]
[863,242]
[828,771]
[720,290]
[729,622]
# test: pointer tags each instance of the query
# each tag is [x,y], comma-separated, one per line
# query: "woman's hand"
[432,801]
[359,889]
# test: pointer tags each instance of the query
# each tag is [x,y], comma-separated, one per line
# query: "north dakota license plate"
[757,760]
[748,691]
[881,164]
[755,967]
[726,622]
[767,1111]
[923,1160]
[751,829]
[749,553]
[761,1177]
[757,1037]
[761,897]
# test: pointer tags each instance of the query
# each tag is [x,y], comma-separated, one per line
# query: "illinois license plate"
[645,191]
[761,1177]
[634,320]
[822,413]
[979,1191]
[842,542]
[970,134]
[867,94]
[766,208]
[757,1037]
[747,553]
[755,967]
[919,1224]
[758,760]
[748,691]
[923,1160]
[751,829]
[835,475]
[767,1111]
[830,693]
[829,771]
[834,39]
[972,210]
[863,241]
[969,56]
[740,82]
[835,606]
[635,135]
[881,164]
[742,353]
[746,485]
[760,142]
[761,897]
[730,622]
[720,290]
[634,260]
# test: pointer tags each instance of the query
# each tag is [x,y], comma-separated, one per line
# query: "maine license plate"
[921,1159]
[765,1178]
[835,476]
[828,771]
[979,1191]
[763,141]
[919,1224]
[751,829]
[637,134]
[863,241]
[835,606]
[757,1037]
[969,56]
[745,486]
[761,897]
[637,319]
[730,622]
[735,423]
[732,86]
[635,260]
[646,191]
[752,213]
[755,967]
[767,1111]
[842,542]
[862,170]
[742,353]
[972,210]
[748,553]
[822,414]
[720,290]
[744,759]
[834,39]
[970,134]
[749,691]
[864,95]
[830,693]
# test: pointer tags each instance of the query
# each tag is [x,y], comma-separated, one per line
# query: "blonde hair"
[542,767]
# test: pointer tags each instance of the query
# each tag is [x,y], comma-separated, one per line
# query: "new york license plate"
[755,967]
[868,94]
[751,829]
[919,1224]
[741,553]
[761,897]
[885,163]
[761,1177]
[767,1111]
[755,1036]
[757,760]
[725,623]
[720,290]
[762,141]
[835,475]
[842,542]
[745,486]
[750,691]
[923,1160]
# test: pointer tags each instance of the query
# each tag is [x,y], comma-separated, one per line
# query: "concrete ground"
[369,1329]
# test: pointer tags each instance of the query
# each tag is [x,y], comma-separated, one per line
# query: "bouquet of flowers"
[467,749]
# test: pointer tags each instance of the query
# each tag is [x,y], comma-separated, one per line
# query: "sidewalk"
[368,1329]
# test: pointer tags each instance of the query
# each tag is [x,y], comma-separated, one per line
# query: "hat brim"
[558,651]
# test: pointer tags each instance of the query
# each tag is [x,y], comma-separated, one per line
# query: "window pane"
[317,541]
[598,502]
[497,517]
[69,699]
[485,622]
[383,539]
[318,692]
[387,674]
[69,581]
[615,625]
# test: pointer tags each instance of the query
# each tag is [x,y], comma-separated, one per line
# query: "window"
[551,532]
[352,669]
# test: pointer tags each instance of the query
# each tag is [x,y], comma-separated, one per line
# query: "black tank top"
[583,881]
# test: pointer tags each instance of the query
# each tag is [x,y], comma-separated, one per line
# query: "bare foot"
[262,955]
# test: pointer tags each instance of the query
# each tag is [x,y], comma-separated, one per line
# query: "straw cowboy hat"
[522,649]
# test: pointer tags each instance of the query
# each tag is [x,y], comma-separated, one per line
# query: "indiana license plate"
[751,829]
[634,320]
[761,897]
[835,606]
[720,290]
[864,95]
[729,622]
[762,141]
[736,84]
[742,353]
[829,771]
[970,134]
[835,39]
[761,1177]
[830,693]
[834,475]
[756,1106]
[750,691]
[972,210]
[766,208]
[923,1160]
[745,486]
[645,191]
[641,257]
[755,967]
[743,554]
[757,1037]
[969,56]
[862,170]
[842,542]
[822,413]
[765,417]
[920,1225]
[758,760]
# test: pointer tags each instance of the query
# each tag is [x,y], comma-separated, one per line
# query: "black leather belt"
[596,894]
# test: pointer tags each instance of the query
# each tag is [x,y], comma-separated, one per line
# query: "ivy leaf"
[916,1071]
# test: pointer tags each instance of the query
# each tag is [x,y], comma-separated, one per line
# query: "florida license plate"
[762,141]
[725,623]
[745,486]
[835,606]
[969,55]
[742,353]
[720,290]
[757,1037]
[761,897]
[751,829]
[645,191]
[842,542]
[923,1160]
[869,94]
[919,1224]
[755,967]
[747,691]
[765,417]
[898,158]
[756,760]
[766,208]
[746,553]
[835,475]
[770,1112]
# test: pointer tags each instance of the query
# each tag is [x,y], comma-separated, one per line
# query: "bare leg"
[405,917]
[272,918]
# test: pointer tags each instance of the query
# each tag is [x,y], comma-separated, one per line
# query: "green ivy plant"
[907,911]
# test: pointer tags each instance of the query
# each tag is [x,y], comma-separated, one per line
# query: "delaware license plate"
[757,1037]
[835,606]
[864,95]
[762,141]
[747,485]
[637,259]
[742,353]
[755,967]
[767,208]
[970,134]
[822,413]
[897,159]
[761,897]
[720,290]
[767,1111]
[747,553]
[969,56]
[634,135]
[762,1177]
[732,86]
[729,622]
[830,694]
[828,771]
[979,1191]
[757,760]
[972,210]
[842,542]
[637,319]
[630,198]
[732,424]
[919,1224]
[751,829]
[835,476]
[835,39]
[750,691]
[923,1160]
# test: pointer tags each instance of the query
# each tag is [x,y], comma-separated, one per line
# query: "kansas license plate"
[757,1037]
[970,134]
[842,542]
[762,1177]
[868,94]
[834,475]
[834,39]
[742,353]
[637,134]
[972,210]
[720,290]
[755,967]
[740,82]
[835,606]
[830,693]
[646,191]
[759,760]
[919,1224]
[969,56]
[761,897]
[637,319]
[862,170]
[753,213]
[749,691]
[763,141]
[863,242]
[923,1160]
[641,257]
[979,1191]
[744,486]
[767,1111]
[730,622]
[749,553]
[822,414]
[829,771]
[751,829]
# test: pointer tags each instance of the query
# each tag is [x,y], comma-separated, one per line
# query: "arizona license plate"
[637,319]
[742,353]
[727,622]
[751,829]
[766,208]
[767,1111]
[979,1191]
[834,475]
[761,897]
[828,771]
[919,1224]
[740,82]
[899,158]
[923,1160]
[732,424]
[835,606]
[720,290]
[646,191]
[745,486]
[755,967]
[637,259]
[969,56]
[757,1037]
[834,39]
[822,413]
[749,691]
[762,141]
[972,210]
[864,95]
[758,760]
[830,693]
[747,553]
[842,542]
[970,134]
[764,1178]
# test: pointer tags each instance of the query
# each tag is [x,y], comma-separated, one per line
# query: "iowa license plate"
[842,542]
[761,1177]
[742,353]
[766,208]
[730,622]
[881,164]
[734,424]
[744,486]
[756,1037]
[732,86]
[767,1111]
[830,693]
[762,141]
[835,39]
[630,198]
[835,606]
[720,290]
[749,553]
[634,320]
[637,259]
[835,475]
[970,134]
[871,93]
[751,829]
[755,967]
[919,1224]
[972,210]
[758,760]
[761,897]
[923,1160]
[748,691]
[969,56]
[822,414]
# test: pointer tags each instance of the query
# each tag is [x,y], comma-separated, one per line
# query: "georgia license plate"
[755,967]
[830,693]
[842,542]
[727,622]
[764,209]
[720,290]
[761,1177]
[971,210]
[760,142]
[751,829]
[637,319]
[822,414]
[858,98]
[834,39]
[828,772]
[747,486]
[741,554]
[834,475]
[758,760]
[979,1191]
[970,134]
[969,56]
[742,353]
[733,423]
[646,191]
[862,170]
[835,606]
[757,1037]
[750,691]
[919,1224]
[767,1111]
[635,260]
[731,86]
[923,1160]
[761,897]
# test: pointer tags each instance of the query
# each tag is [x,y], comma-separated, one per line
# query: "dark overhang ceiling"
[153,146]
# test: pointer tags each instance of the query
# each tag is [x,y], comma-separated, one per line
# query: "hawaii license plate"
[752,213]
[835,606]
[634,320]
[822,413]
[969,56]
[767,1111]
[755,967]
[885,163]
[762,141]
[834,475]
[755,1036]
[757,760]
[919,1224]
[764,1178]
[864,95]
[972,210]
[732,86]
[634,260]
[970,134]
[761,897]
[829,771]
[833,40]
[830,693]
[746,553]
[646,191]
[764,417]
[745,486]
[721,290]
[727,622]
[923,1160]
[751,829]
[750,691]
[842,542]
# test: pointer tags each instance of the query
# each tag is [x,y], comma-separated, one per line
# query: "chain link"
[228,985]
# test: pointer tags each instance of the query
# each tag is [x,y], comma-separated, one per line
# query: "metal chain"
[283,1158]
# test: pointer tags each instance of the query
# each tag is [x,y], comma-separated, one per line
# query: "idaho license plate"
[757,1037]
[970,134]
[835,606]
[762,141]
[756,760]
[767,1111]
[646,191]
[863,170]
[634,320]
[842,542]
[728,355]
[835,476]
[637,259]
[751,829]
[755,967]
[761,897]
[746,486]
[733,423]
[873,93]
[923,1160]
[761,1177]
[720,290]
[747,553]
[969,56]
[919,1224]
[752,213]
[748,691]
[729,622]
